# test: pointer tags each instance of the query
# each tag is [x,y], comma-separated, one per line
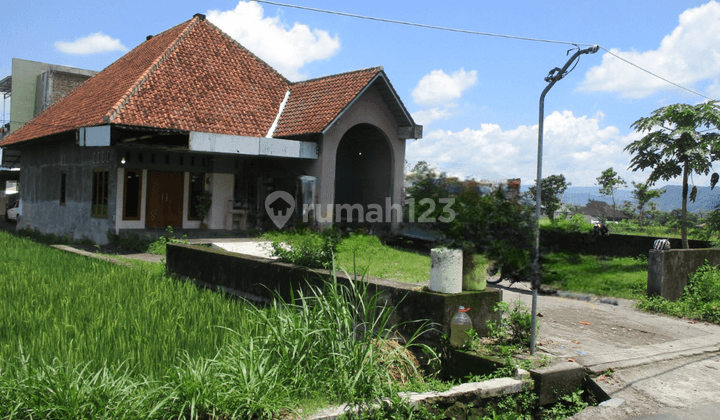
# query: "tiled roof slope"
[191,77]
[313,104]
[91,101]
[194,77]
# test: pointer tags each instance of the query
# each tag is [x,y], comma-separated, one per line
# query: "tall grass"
[82,339]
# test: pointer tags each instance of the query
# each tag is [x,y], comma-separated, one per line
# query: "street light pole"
[553,77]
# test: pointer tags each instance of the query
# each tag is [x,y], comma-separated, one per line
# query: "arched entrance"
[363,169]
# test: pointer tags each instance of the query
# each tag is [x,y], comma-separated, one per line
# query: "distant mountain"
[706,200]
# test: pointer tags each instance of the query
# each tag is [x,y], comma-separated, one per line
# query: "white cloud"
[578,147]
[437,92]
[437,87]
[286,49]
[688,55]
[91,44]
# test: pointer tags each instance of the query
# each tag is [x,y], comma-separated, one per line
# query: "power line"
[465,31]
[653,74]
[420,25]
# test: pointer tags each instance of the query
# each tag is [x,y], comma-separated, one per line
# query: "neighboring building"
[191,110]
[596,210]
[32,88]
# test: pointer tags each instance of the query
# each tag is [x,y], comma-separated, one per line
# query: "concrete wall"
[25,95]
[40,191]
[259,278]
[612,245]
[368,109]
[669,271]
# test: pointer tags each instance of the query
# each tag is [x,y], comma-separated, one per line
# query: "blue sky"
[476,96]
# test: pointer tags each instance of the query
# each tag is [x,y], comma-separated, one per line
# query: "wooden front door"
[164,199]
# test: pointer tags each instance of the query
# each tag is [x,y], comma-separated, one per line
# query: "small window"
[197,186]
[100,193]
[132,195]
[63,178]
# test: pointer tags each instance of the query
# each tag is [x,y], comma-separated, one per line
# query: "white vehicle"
[13,211]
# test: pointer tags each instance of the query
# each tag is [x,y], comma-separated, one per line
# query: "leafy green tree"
[481,221]
[643,194]
[681,139]
[608,181]
[552,188]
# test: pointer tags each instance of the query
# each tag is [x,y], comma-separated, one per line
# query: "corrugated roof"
[194,77]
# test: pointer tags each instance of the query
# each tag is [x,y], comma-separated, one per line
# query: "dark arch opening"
[363,169]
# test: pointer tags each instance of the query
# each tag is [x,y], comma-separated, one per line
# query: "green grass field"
[82,338]
[603,276]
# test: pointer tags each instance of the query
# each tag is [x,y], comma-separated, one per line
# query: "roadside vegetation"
[700,301]
[88,339]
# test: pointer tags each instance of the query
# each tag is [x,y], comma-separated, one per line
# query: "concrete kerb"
[473,390]
[599,363]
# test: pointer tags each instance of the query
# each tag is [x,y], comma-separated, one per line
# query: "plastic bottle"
[459,325]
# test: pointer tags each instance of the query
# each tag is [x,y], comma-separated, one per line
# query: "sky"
[476,96]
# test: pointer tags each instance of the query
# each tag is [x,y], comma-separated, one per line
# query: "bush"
[513,329]
[312,250]
[700,300]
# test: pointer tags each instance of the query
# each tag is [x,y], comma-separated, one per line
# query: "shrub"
[312,250]
[700,300]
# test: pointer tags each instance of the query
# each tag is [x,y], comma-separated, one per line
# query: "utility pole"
[553,77]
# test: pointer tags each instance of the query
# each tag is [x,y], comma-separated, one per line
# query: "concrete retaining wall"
[258,279]
[612,245]
[668,271]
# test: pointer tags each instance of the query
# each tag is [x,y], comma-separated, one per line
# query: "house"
[189,111]
[596,210]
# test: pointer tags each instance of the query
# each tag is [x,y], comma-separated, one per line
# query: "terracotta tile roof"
[194,77]
[91,101]
[191,77]
[313,104]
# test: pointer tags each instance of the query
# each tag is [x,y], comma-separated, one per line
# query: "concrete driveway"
[662,366]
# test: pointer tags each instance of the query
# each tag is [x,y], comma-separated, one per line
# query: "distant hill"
[706,200]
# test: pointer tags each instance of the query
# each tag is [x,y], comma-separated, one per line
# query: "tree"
[643,194]
[552,188]
[677,143]
[609,180]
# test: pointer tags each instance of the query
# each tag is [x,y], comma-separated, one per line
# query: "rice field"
[82,338]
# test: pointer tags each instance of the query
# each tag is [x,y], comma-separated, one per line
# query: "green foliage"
[88,339]
[624,277]
[159,246]
[643,194]
[567,406]
[202,204]
[308,249]
[608,181]
[552,188]
[700,300]
[513,328]
[130,243]
[681,139]
[575,223]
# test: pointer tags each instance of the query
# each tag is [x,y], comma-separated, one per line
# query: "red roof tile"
[194,77]
[314,104]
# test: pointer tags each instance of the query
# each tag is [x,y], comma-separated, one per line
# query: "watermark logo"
[279,206]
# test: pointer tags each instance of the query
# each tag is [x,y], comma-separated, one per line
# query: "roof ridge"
[260,60]
[330,76]
[115,109]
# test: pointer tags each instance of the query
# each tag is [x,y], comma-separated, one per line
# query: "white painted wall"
[221,187]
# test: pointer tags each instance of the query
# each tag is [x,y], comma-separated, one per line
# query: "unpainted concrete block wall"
[261,279]
[40,189]
[669,271]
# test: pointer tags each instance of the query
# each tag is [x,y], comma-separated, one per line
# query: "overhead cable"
[465,31]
